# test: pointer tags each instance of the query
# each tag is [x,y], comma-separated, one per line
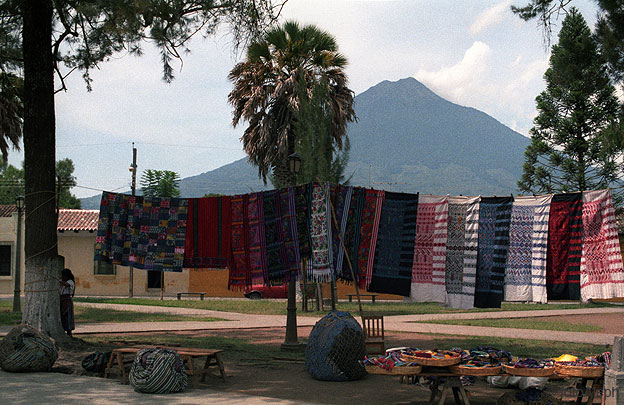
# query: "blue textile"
[494,221]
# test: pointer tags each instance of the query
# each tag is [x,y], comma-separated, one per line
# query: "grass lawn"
[278,307]
[522,323]
[96,315]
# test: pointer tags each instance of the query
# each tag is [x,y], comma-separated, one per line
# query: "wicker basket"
[423,361]
[529,372]
[400,370]
[579,371]
[476,371]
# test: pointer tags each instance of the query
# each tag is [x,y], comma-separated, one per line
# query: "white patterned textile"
[602,275]
[429,265]
[525,271]
[461,251]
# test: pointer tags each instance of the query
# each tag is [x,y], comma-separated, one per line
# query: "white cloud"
[489,17]
[454,82]
[500,84]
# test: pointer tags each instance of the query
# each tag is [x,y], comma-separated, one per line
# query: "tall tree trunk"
[41,307]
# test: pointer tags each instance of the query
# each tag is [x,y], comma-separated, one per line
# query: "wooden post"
[335,222]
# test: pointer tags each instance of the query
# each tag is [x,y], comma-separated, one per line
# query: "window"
[5,260]
[153,279]
[104,268]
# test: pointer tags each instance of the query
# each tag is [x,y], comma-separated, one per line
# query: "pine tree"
[568,151]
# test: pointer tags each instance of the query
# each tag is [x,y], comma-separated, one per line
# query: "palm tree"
[287,60]
[11,112]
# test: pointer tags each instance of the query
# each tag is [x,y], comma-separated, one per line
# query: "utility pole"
[133,171]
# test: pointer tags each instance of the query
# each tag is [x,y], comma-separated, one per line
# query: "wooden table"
[119,361]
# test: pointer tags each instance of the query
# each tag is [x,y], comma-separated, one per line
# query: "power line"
[150,143]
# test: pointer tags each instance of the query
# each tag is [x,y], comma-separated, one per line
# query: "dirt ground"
[608,323]
[289,379]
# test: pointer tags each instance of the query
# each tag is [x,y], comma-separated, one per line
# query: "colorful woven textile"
[145,232]
[602,275]
[319,268]
[282,251]
[371,211]
[239,275]
[208,233]
[429,267]
[565,232]
[257,240]
[494,219]
[303,195]
[341,201]
[461,251]
[352,234]
[394,254]
[525,272]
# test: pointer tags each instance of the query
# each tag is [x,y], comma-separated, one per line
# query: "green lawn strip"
[234,349]
[99,315]
[275,307]
[521,323]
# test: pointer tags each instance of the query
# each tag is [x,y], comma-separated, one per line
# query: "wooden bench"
[201,295]
[121,359]
[372,296]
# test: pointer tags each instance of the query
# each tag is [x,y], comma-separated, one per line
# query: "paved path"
[56,388]
[398,323]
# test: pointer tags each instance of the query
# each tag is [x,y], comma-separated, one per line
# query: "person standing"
[67,287]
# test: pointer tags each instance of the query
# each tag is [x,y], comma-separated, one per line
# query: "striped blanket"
[320,267]
[525,272]
[461,251]
[341,201]
[145,232]
[394,254]
[494,219]
[371,211]
[602,275]
[352,234]
[429,267]
[565,232]
[208,232]
[239,275]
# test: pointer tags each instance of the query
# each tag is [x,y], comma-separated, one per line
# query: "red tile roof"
[7,210]
[78,220]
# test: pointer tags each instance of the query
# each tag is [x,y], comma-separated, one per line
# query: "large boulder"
[335,347]
[25,349]
[156,370]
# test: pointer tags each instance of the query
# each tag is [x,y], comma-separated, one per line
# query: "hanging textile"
[208,233]
[145,232]
[565,232]
[371,211]
[319,268]
[352,234]
[282,251]
[239,275]
[525,272]
[494,219]
[461,251]
[257,241]
[303,196]
[602,275]
[394,254]
[429,268]
[341,201]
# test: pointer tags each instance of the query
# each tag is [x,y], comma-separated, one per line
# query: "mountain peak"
[405,89]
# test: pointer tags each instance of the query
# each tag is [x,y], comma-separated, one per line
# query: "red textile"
[208,232]
[563,261]
[239,269]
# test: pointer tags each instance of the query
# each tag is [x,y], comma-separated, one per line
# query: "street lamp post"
[17,305]
[291,342]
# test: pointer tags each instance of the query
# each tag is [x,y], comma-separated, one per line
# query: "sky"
[474,53]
